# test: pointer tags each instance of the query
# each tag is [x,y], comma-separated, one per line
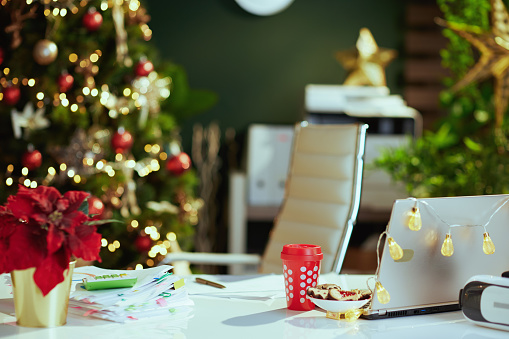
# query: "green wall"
[259,66]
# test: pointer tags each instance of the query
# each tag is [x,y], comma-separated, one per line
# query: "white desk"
[215,317]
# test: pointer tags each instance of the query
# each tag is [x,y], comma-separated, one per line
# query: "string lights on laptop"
[414,223]
[447,249]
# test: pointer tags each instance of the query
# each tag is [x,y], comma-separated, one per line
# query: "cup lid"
[301,251]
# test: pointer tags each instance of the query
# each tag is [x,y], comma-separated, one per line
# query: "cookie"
[364,294]
[318,293]
[335,294]
[311,291]
[328,286]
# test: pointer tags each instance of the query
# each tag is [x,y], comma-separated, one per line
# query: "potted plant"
[41,233]
[466,153]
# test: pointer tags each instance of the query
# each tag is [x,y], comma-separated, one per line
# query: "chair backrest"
[322,193]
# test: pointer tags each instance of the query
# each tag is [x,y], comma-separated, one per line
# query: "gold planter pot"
[35,310]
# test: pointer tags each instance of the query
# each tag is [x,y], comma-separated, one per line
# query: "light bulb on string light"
[333,315]
[488,246]
[395,250]
[414,219]
[381,293]
[447,247]
[352,315]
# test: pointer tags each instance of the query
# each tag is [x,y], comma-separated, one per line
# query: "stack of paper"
[265,288]
[157,292]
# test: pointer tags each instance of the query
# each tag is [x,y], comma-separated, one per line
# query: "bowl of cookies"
[331,297]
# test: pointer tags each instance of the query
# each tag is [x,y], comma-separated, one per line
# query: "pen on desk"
[208,282]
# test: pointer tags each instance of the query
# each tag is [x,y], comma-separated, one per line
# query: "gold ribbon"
[121,34]
[129,201]
[152,90]
[163,207]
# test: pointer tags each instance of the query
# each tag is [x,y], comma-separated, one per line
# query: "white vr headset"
[485,300]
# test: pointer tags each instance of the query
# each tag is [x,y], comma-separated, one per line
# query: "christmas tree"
[466,154]
[87,104]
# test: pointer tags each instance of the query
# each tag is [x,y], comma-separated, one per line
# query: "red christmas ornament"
[11,95]
[143,243]
[143,68]
[31,159]
[92,20]
[65,82]
[95,206]
[178,164]
[122,141]
[2,55]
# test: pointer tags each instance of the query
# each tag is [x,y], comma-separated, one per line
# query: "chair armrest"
[212,258]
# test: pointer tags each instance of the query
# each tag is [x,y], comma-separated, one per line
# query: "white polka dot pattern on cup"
[297,283]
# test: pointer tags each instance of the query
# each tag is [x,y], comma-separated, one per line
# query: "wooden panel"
[424,42]
[422,15]
[427,70]
[423,97]
[423,72]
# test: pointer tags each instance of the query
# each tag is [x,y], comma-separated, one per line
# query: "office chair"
[321,201]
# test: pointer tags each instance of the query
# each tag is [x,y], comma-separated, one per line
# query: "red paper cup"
[301,268]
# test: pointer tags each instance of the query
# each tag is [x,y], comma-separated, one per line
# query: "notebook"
[425,281]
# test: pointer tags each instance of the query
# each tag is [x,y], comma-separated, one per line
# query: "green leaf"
[198,101]
[84,206]
[443,138]
[184,101]
[474,146]
[102,222]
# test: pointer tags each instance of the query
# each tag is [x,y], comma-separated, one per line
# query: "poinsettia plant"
[41,228]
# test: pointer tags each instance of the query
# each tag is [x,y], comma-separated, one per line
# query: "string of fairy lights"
[85,64]
[141,96]
[143,167]
[414,223]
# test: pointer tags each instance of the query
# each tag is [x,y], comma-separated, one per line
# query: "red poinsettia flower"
[41,228]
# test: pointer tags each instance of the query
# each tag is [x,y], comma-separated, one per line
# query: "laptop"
[425,281]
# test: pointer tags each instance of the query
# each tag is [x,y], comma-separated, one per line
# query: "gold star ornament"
[366,62]
[494,60]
